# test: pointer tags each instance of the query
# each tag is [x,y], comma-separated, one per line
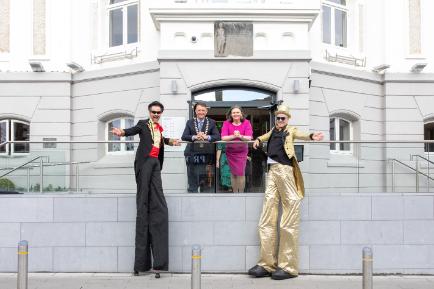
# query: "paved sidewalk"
[209,281]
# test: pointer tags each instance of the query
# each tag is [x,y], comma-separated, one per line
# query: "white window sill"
[416,57]
[14,155]
[39,58]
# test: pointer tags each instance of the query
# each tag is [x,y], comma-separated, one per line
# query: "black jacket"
[190,131]
[146,142]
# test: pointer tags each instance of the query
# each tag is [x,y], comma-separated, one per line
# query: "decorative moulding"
[160,15]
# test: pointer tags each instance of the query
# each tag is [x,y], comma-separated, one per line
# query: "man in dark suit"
[152,219]
[200,156]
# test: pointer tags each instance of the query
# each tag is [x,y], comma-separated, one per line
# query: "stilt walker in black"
[152,221]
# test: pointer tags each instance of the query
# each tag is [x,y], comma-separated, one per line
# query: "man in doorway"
[152,222]
[285,185]
[200,156]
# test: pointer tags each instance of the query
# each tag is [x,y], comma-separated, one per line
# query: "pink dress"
[237,153]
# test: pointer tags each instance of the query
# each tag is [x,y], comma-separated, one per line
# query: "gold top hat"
[283,109]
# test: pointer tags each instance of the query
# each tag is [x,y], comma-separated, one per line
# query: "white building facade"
[354,69]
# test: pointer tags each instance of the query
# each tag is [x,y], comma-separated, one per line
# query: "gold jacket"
[293,134]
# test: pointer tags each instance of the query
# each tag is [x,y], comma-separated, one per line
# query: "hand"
[256,144]
[317,136]
[200,136]
[176,142]
[117,131]
[217,163]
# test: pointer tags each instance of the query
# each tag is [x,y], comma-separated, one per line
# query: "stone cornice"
[160,15]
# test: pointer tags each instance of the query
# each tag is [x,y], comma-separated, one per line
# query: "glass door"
[257,105]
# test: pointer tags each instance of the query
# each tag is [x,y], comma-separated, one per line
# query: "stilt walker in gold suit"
[279,250]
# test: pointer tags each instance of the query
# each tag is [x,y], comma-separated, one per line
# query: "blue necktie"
[200,124]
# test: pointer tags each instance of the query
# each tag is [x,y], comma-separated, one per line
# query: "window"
[429,135]
[340,130]
[114,148]
[334,22]
[14,130]
[123,22]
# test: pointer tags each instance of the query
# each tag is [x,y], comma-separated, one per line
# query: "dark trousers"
[152,221]
[196,174]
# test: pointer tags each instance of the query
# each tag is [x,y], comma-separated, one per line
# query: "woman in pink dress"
[237,128]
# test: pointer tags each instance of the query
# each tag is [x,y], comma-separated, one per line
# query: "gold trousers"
[282,253]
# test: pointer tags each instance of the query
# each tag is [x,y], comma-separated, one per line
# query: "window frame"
[124,8]
[6,121]
[337,149]
[10,136]
[427,123]
[333,7]
[123,150]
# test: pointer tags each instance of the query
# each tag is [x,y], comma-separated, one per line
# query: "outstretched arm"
[135,129]
[262,138]
[129,131]
[317,136]
[171,141]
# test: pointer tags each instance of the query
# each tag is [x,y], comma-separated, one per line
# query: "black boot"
[258,271]
[280,274]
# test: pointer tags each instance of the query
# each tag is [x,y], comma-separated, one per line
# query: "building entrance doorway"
[258,106]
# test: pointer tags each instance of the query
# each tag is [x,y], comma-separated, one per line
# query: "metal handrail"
[417,167]
[46,164]
[22,165]
[251,141]
[416,170]
[380,142]
[419,156]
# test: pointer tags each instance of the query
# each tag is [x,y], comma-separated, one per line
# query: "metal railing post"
[196,257]
[358,168]
[367,262]
[23,264]
[393,175]
[77,176]
[417,174]
[41,175]
[427,179]
[28,180]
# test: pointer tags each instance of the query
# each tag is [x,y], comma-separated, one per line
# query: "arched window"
[428,130]
[14,130]
[119,148]
[123,22]
[334,22]
[341,130]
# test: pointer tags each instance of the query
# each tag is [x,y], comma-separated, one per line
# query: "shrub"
[6,184]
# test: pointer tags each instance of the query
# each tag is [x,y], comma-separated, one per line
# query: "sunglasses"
[282,118]
[155,112]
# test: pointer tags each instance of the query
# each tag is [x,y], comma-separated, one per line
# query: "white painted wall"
[76,30]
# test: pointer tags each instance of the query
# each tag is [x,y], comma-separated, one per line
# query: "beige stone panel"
[414,19]
[4,25]
[39,27]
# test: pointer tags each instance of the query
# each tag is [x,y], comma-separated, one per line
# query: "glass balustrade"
[222,167]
